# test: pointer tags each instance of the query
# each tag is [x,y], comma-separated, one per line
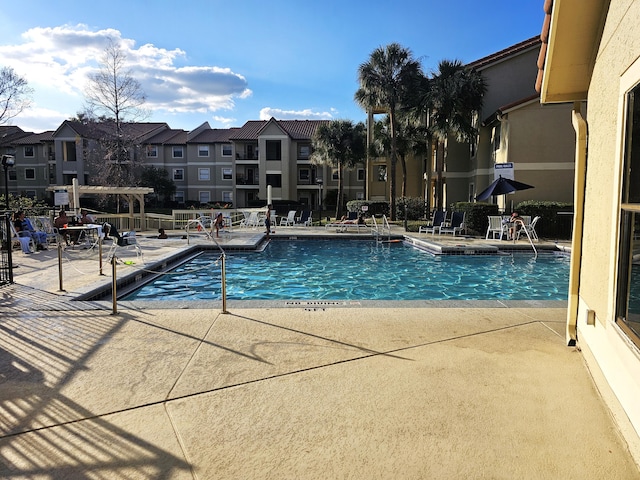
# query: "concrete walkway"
[300,393]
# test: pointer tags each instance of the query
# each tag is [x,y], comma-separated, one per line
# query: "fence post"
[224,283]
[59,242]
[114,295]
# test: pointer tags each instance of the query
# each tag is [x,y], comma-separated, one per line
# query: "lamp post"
[7,161]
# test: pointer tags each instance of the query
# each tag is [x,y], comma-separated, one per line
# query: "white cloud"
[56,61]
[307,114]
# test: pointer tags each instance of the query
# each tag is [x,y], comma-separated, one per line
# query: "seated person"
[110,230]
[219,223]
[515,224]
[85,218]
[358,221]
[162,234]
[61,222]
[24,227]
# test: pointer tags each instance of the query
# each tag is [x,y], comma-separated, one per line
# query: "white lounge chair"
[289,220]
[530,229]
[26,241]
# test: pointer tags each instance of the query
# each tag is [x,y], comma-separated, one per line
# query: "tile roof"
[35,138]
[213,135]
[544,39]
[296,129]
[169,137]
[507,52]
[10,133]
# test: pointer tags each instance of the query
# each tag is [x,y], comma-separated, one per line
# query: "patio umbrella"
[500,187]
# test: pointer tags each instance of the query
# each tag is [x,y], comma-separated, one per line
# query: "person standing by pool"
[267,221]
[219,223]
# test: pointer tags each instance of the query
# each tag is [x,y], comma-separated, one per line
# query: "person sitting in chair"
[515,224]
[23,227]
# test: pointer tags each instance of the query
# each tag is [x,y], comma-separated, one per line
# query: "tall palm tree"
[386,81]
[341,144]
[452,97]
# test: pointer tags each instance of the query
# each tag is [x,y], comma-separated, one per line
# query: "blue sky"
[228,62]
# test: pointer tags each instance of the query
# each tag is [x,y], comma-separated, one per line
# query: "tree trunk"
[440,158]
[403,163]
[394,161]
[340,193]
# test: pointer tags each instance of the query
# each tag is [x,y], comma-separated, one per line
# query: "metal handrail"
[523,227]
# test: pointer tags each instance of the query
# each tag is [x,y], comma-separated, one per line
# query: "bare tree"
[114,98]
[15,94]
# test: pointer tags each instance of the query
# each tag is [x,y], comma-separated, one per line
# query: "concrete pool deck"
[301,392]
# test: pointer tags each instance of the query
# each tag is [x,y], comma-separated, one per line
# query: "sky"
[227,62]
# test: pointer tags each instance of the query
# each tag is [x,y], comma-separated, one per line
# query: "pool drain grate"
[313,303]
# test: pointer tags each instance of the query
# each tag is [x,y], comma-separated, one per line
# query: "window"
[304,175]
[152,151]
[304,151]
[227,197]
[30,194]
[227,174]
[203,150]
[628,288]
[177,152]
[178,197]
[359,195]
[274,150]
[226,150]
[204,174]
[178,173]
[13,176]
[204,197]
[274,179]
[334,174]
[29,151]
[382,173]
[361,174]
[30,173]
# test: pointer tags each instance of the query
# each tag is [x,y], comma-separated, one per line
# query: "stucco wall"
[619,48]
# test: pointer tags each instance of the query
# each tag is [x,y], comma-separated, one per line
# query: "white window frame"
[360,175]
[227,173]
[175,149]
[227,197]
[178,197]
[204,174]
[26,177]
[33,151]
[203,150]
[180,175]
[204,196]
[224,151]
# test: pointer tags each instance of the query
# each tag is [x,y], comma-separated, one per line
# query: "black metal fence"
[6,264]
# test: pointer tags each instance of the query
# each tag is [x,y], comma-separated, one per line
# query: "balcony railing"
[243,156]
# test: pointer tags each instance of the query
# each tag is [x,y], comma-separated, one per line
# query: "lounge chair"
[456,226]
[437,222]
[496,227]
[305,218]
[26,241]
[289,220]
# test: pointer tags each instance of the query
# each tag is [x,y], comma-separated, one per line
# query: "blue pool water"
[362,270]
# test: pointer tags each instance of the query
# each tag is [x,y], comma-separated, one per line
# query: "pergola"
[130,193]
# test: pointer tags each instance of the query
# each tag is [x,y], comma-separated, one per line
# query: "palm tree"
[451,97]
[385,83]
[341,144]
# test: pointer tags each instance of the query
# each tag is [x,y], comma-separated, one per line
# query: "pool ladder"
[379,231]
[522,227]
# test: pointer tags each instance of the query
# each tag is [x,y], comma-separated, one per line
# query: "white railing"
[379,230]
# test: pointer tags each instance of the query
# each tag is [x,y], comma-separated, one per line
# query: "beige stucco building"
[591,52]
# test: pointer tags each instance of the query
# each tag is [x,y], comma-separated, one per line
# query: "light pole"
[7,161]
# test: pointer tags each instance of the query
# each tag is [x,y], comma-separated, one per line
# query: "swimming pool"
[362,270]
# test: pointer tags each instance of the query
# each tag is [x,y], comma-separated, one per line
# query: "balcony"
[250,156]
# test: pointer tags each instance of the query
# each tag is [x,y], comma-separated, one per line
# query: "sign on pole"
[504,170]
[60,198]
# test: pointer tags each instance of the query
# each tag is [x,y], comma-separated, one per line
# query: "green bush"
[373,208]
[556,219]
[416,208]
[476,218]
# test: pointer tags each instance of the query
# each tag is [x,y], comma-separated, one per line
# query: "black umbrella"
[500,187]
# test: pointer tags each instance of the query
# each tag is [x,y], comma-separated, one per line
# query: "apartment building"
[233,166]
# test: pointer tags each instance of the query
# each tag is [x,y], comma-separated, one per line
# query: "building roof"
[525,45]
[509,107]
[570,38]
[169,137]
[296,129]
[10,133]
[34,138]
[212,135]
